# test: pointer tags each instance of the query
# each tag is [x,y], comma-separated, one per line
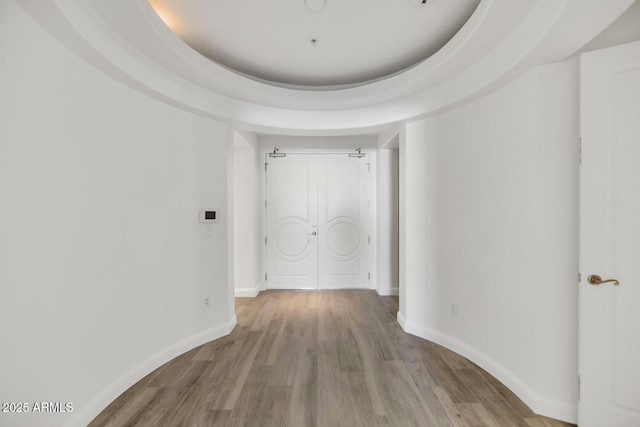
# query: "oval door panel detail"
[292,239]
[343,239]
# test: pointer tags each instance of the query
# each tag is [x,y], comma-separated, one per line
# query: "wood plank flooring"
[326,359]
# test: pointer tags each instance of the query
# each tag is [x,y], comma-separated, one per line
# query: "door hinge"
[368,276]
[579,277]
[265,204]
[580,151]
[265,277]
[265,166]
[265,240]
[579,388]
[369,239]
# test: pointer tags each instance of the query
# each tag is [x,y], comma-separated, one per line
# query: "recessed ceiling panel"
[316,42]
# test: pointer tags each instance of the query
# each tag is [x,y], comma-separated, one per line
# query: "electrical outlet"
[453,308]
[206,301]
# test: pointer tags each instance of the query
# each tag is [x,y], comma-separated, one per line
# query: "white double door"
[317,222]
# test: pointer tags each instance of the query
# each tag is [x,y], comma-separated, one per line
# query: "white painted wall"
[488,226]
[499,176]
[247,214]
[418,224]
[388,228]
[556,192]
[104,264]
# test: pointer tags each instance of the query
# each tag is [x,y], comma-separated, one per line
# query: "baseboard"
[559,411]
[385,292]
[89,411]
[248,292]
[403,322]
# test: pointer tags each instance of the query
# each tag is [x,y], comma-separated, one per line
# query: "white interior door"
[292,212]
[317,221]
[609,338]
[343,217]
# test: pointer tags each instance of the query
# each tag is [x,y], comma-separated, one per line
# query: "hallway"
[328,358]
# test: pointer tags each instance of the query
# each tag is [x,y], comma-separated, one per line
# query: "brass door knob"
[595,280]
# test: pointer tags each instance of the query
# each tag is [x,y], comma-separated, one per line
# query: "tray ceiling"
[316,42]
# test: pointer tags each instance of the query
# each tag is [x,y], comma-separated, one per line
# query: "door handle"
[313,233]
[595,280]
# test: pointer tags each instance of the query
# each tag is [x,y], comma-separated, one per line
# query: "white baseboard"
[89,411]
[402,321]
[559,411]
[385,292]
[248,292]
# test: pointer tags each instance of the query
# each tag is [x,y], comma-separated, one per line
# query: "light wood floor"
[328,358]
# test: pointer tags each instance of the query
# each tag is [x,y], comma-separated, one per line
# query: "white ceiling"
[316,42]
[127,40]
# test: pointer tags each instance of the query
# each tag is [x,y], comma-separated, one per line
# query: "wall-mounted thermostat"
[208,215]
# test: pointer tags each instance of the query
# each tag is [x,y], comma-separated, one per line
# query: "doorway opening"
[318,216]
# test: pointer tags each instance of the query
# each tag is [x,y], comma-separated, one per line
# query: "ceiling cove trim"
[318,94]
[251,105]
[385,89]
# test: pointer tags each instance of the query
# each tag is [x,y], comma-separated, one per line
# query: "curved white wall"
[489,221]
[109,283]
[104,264]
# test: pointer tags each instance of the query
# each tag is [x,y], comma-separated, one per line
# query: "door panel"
[609,348]
[317,222]
[292,252]
[627,341]
[343,216]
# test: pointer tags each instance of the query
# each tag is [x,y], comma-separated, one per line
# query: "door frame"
[373,219]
